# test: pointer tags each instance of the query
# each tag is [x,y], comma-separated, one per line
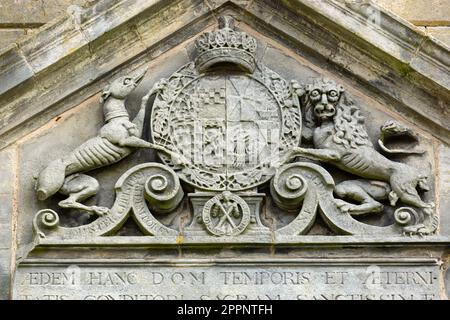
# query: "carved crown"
[225,45]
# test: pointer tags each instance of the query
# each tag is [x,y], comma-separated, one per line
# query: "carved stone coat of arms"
[234,138]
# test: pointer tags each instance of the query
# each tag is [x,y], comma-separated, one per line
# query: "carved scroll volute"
[288,188]
[163,191]
[160,186]
[297,187]
[45,222]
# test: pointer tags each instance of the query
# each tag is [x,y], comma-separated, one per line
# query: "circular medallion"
[226,214]
[230,126]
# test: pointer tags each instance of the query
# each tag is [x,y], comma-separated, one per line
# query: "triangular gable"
[67,61]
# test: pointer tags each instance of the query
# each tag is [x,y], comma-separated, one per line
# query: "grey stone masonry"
[6,218]
[216,149]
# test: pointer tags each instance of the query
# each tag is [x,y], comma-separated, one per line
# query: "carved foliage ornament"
[225,125]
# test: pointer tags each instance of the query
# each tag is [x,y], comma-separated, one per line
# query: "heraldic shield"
[229,128]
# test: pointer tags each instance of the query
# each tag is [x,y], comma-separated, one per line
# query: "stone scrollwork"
[46,219]
[225,126]
[132,190]
[288,188]
[298,186]
[163,190]
[157,184]
[414,222]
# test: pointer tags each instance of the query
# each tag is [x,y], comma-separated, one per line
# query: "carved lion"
[340,138]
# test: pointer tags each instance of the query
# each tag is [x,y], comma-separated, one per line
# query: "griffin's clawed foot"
[68,204]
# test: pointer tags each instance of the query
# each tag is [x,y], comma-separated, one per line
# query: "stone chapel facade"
[239,149]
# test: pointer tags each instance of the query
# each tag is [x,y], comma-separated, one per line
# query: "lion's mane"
[348,123]
[349,126]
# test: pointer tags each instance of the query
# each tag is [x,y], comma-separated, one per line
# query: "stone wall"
[432,16]
[21,17]
[7,158]
[396,85]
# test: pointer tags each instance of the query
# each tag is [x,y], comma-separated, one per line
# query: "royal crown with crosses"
[225,45]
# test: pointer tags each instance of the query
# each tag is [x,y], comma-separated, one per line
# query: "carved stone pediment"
[225,125]
[280,130]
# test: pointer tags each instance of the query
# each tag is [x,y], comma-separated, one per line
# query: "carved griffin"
[117,139]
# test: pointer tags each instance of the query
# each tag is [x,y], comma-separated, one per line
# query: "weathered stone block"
[14,69]
[440,33]
[5,213]
[261,279]
[428,13]
[444,186]
[51,46]
[6,196]
[35,13]
[9,36]
[5,274]
[326,220]
[4,286]
[447,283]
[5,235]
[6,171]
[286,64]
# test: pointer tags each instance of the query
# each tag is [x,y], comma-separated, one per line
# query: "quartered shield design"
[231,128]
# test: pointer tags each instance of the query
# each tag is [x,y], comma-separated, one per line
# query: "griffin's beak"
[140,76]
